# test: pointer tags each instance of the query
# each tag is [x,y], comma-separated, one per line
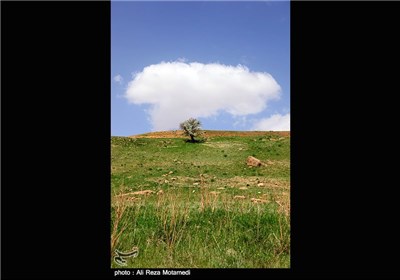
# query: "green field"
[201,206]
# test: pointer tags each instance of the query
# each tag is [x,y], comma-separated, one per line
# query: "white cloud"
[178,90]
[276,122]
[118,79]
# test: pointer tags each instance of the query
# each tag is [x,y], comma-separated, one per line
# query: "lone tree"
[192,128]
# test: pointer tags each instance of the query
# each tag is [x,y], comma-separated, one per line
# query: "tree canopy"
[191,128]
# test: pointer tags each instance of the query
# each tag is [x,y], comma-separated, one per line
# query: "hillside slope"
[199,204]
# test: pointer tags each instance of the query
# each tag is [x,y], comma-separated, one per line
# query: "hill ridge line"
[210,133]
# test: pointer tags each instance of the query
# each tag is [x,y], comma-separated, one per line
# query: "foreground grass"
[201,213]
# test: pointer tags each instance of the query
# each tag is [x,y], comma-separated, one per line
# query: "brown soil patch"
[258,200]
[255,181]
[211,133]
[145,192]
[215,193]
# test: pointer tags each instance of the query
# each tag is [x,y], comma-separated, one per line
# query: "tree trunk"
[192,138]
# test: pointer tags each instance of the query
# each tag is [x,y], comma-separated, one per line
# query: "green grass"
[197,221]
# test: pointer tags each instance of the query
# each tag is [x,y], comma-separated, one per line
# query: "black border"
[56,127]
[343,207]
[55,139]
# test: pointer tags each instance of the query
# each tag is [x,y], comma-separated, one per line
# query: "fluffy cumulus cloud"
[276,122]
[118,79]
[179,90]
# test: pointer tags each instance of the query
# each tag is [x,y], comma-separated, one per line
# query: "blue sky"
[225,63]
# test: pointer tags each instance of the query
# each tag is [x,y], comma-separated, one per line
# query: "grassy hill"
[198,204]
